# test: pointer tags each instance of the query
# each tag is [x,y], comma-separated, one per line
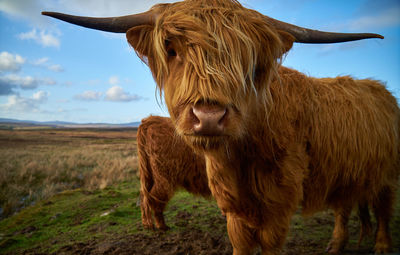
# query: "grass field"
[76,192]
[36,164]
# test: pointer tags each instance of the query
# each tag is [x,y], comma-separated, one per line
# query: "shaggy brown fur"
[165,164]
[287,139]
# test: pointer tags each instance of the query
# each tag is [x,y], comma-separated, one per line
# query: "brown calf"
[165,164]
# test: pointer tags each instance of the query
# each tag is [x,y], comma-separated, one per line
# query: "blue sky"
[51,70]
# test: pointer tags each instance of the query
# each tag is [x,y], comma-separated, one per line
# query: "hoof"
[148,226]
[334,247]
[383,243]
[163,228]
[331,250]
[382,248]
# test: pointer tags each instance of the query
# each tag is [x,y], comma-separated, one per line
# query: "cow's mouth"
[205,142]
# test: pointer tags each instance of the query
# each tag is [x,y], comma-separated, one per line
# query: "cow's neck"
[239,179]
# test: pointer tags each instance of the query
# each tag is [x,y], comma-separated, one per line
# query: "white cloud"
[18,104]
[40,96]
[28,35]
[108,8]
[56,68]
[28,10]
[10,62]
[41,61]
[117,94]
[387,18]
[373,16]
[369,7]
[24,82]
[46,81]
[44,62]
[43,38]
[114,80]
[89,96]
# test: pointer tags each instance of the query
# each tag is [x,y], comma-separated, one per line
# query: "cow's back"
[351,131]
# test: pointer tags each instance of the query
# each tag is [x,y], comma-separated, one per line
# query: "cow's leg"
[340,233]
[159,197]
[273,238]
[147,218]
[366,226]
[383,209]
[241,236]
[245,239]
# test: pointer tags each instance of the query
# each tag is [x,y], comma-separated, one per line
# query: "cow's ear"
[287,40]
[140,38]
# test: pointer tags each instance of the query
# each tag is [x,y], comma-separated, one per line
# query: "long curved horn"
[305,35]
[123,23]
[113,24]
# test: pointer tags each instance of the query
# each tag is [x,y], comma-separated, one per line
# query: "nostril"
[193,117]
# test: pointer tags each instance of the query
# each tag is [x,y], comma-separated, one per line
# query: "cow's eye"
[171,53]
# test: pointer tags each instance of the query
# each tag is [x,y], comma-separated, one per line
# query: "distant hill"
[64,124]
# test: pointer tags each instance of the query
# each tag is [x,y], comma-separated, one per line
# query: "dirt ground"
[303,239]
[190,241]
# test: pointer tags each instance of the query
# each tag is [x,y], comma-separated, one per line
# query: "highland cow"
[166,163]
[273,138]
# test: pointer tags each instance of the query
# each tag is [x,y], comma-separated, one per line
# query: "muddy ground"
[307,236]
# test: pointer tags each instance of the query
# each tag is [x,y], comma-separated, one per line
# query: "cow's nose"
[208,119]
